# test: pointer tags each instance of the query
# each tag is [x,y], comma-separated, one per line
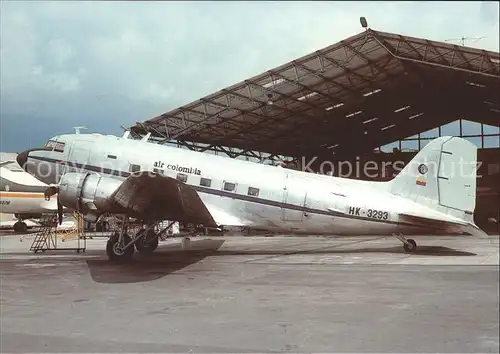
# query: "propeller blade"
[59,211]
[49,192]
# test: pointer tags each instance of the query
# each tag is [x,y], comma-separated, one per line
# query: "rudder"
[442,176]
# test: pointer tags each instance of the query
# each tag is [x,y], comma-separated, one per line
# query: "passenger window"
[182,177]
[111,157]
[134,168]
[230,187]
[253,191]
[157,170]
[205,182]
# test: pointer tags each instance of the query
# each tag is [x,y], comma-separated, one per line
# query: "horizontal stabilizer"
[474,230]
[440,224]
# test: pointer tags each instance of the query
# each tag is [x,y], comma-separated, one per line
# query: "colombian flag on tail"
[421,182]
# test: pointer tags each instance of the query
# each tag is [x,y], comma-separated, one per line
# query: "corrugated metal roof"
[370,88]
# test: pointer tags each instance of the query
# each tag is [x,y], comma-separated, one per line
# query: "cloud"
[103,64]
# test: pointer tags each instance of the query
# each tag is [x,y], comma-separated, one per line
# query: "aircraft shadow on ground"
[142,268]
[171,258]
[422,250]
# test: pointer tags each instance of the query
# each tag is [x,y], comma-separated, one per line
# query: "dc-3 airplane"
[22,195]
[96,174]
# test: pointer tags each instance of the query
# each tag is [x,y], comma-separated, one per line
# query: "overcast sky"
[106,64]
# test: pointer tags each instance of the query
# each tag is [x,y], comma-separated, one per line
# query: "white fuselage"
[264,197]
[21,193]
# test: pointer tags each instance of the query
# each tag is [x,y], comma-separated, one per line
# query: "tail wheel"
[148,243]
[115,250]
[411,246]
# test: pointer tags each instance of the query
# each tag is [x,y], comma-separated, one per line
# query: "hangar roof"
[351,97]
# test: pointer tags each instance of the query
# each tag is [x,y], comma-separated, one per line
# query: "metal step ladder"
[46,238]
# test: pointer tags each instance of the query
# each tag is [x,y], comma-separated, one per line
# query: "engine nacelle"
[88,193]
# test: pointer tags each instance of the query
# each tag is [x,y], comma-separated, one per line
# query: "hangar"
[352,99]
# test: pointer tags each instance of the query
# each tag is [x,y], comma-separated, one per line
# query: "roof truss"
[326,98]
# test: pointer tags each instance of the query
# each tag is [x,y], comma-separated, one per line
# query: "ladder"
[45,238]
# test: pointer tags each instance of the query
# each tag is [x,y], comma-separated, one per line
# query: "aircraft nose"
[22,159]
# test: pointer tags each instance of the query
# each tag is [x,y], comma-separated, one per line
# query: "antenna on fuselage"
[146,137]
[126,132]
[77,129]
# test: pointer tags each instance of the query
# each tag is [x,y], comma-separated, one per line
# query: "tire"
[114,254]
[147,243]
[20,227]
[410,248]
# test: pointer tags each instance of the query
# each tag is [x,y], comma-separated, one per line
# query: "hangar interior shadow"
[171,258]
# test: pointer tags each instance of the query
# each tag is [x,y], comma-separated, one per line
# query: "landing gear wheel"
[148,243]
[20,227]
[115,251]
[411,246]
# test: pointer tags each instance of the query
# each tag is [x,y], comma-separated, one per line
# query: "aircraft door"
[78,156]
[294,198]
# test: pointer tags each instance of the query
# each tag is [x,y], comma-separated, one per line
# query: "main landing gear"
[120,246]
[409,245]
[147,243]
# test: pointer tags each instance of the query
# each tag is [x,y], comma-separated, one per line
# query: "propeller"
[59,211]
[50,192]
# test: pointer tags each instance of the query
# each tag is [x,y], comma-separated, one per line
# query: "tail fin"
[441,176]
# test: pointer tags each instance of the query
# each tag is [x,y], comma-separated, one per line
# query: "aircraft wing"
[222,217]
[159,197]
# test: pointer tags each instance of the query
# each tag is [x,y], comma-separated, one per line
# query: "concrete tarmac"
[241,294]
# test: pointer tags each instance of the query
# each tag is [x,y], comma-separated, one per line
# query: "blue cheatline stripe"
[227,194]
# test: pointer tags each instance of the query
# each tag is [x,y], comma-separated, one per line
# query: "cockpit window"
[55,145]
